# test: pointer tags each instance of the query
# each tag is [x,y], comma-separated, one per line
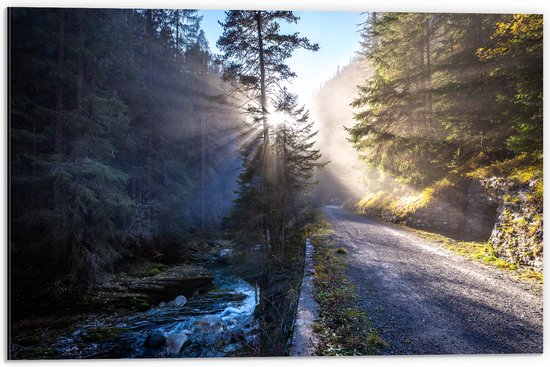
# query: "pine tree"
[254,61]
[396,127]
[87,198]
[297,162]
[103,128]
[431,105]
[514,56]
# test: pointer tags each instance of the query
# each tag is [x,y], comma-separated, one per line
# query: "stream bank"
[197,309]
[230,300]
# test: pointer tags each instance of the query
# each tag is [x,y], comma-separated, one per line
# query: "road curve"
[426,300]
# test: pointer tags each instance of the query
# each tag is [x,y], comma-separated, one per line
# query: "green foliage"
[446,88]
[278,162]
[514,54]
[117,133]
[343,328]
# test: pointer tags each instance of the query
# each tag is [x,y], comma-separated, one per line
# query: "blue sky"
[335,32]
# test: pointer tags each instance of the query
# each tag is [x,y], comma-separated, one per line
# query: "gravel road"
[424,299]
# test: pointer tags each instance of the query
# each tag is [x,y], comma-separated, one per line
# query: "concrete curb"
[304,340]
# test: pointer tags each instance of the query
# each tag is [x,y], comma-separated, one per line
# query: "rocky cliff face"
[506,212]
[466,210]
[518,230]
[503,211]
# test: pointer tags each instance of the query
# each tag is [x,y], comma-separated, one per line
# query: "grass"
[403,201]
[375,340]
[479,251]
[342,327]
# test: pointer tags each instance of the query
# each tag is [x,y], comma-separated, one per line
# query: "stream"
[217,323]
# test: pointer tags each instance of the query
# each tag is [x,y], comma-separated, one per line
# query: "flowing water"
[226,312]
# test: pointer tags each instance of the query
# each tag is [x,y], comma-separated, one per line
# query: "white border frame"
[462,6]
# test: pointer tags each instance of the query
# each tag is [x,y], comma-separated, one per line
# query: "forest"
[118,129]
[163,194]
[448,89]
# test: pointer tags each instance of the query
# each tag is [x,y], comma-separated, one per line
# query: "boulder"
[155,340]
[162,304]
[180,301]
[209,323]
[177,342]
[208,330]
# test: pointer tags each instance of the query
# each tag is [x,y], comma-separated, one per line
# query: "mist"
[346,178]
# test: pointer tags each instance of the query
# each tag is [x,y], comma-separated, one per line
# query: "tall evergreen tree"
[104,125]
[514,53]
[296,162]
[254,55]
[432,104]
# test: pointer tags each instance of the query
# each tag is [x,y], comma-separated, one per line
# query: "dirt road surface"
[424,299]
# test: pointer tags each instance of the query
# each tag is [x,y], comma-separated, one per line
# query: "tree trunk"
[263,101]
[177,35]
[149,160]
[428,80]
[150,35]
[80,78]
[59,106]
[285,189]
[262,78]
[203,167]
[481,79]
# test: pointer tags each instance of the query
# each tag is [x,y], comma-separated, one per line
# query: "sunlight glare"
[278,119]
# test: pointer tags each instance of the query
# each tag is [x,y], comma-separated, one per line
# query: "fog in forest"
[347,177]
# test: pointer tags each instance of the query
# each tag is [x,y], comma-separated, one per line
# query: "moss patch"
[103,333]
[343,328]
[479,251]
[375,340]
[149,269]
[38,353]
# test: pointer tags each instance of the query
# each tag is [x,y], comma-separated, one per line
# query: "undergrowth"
[342,327]
[480,251]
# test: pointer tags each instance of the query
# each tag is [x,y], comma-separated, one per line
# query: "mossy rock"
[103,333]
[142,306]
[140,302]
[38,353]
[28,340]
